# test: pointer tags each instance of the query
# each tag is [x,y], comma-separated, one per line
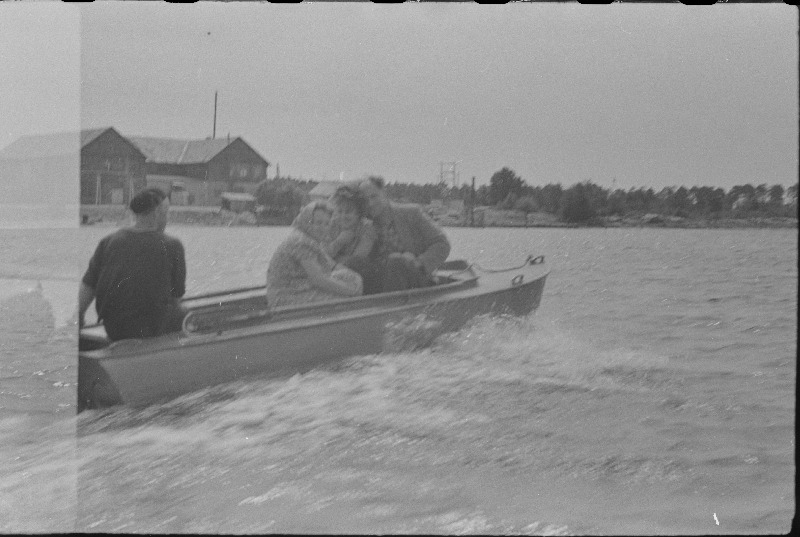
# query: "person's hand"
[413,260]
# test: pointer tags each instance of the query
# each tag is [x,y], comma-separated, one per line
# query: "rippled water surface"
[652,393]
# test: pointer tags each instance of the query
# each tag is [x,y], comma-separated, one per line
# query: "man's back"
[135,274]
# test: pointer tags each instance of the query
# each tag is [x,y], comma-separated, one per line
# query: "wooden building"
[39,181]
[112,168]
[203,169]
[47,176]
[34,166]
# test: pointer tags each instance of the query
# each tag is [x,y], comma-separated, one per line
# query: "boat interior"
[242,308]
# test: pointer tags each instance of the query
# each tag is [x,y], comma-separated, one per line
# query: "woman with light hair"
[301,271]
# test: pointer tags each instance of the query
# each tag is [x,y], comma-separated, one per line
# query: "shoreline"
[116,215]
[722,223]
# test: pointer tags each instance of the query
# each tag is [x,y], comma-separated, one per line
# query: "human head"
[377,202]
[349,204]
[314,219]
[151,204]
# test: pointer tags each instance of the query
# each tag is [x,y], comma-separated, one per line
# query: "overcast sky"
[39,69]
[623,95]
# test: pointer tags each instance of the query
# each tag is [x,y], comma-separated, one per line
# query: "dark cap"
[147,200]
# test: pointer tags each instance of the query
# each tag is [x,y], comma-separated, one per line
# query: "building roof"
[90,135]
[162,150]
[42,146]
[175,151]
[325,189]
[51,145]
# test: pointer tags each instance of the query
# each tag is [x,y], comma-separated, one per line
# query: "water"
[652,393]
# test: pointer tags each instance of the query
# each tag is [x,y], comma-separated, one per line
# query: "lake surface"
[653,392]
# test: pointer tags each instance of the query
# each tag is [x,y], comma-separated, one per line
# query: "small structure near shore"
[238,202]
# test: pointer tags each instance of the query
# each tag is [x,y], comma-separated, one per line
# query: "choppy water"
[653,392]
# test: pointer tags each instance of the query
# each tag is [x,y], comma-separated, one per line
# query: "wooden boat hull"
[141,372]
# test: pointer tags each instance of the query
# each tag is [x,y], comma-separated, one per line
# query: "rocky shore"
[499,218]
[702,223]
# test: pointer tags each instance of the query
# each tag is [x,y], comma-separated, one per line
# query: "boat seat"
[225,317]
[441,279]
[454,265]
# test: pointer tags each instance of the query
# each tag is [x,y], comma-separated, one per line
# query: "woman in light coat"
[301,271]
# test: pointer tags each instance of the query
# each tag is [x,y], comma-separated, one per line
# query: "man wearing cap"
[409,248]
[137,274]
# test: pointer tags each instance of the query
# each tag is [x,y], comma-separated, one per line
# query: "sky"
[627,96]
[39,69]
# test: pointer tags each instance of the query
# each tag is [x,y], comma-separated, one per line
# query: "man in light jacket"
[410,245]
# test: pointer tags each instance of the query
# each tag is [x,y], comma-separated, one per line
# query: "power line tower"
[448,174]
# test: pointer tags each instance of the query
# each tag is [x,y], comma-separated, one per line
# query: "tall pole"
[214,132]
[472,204]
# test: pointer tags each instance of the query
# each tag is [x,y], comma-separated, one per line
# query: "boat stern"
[95,388]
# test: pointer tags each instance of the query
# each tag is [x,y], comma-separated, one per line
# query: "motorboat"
[229,335]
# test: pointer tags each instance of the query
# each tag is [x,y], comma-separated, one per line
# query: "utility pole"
[214,132]
[472,204]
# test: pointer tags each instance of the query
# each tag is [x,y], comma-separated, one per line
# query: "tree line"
[586,200]
[580,203]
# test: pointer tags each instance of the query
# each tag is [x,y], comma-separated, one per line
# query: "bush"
[575,206]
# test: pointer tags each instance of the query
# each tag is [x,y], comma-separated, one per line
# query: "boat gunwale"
[471,281]
[128,348]
[132,347]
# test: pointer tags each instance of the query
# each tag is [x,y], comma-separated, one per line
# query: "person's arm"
[85,297]
[319,279]
[86,290]
[437,247]
[179,271]
[342,239]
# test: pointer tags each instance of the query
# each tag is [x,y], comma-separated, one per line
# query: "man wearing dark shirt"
[137,274]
